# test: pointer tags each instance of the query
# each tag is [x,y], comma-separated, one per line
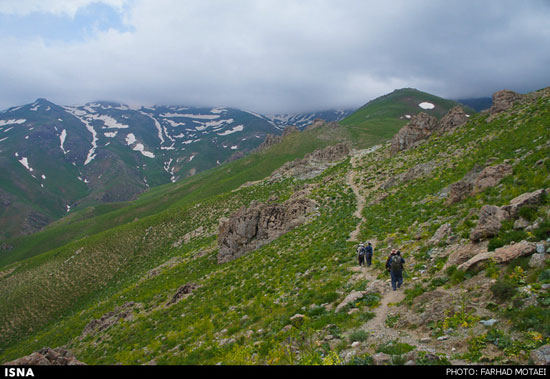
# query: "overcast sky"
[268,55]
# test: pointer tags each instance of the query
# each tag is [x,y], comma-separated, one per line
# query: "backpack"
[361,251]
[396,264]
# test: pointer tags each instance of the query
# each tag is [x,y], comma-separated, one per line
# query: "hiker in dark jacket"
[395,264]
[368,254]
[389,259]
[361,254]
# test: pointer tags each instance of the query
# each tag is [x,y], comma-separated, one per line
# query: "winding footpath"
[376,326]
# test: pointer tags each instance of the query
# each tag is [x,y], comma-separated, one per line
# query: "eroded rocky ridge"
[313,163]
[423,126]
[252,227]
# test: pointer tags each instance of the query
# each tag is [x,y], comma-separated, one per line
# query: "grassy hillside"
[383,117]
[286,301]
[212,182]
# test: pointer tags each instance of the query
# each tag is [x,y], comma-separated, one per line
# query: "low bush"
[504,290]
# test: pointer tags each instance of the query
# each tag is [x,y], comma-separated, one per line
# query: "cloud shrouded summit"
[270,56]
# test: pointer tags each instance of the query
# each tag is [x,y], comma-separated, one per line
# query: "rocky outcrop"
[526,199]
[491,216]
[318,122]
[503,100]
[253,227]
[270,140]
[184,290]
[455,118]
[47,357]
[462,253]
[477,180]
[419,128]
[489,224]
[501,255]
[289,130]
[273,139]
[313,163]
[491,176]
[423,126]
[123,312]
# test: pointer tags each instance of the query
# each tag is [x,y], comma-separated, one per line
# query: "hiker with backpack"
[395,265]
[361,254]
[368,254]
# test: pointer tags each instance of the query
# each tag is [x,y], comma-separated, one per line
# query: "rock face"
[253,227]
[501,255]
[423,125]
[419,128]
[491,216]
[503,100]
[46,357]
[270,140]
[526,199]
[463,253]
[491,176]
[477,180]
[452,120]
[459,191]
[489,224]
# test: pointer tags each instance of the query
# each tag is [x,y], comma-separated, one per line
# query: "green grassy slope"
[383,117]
[212,182]
[242,311]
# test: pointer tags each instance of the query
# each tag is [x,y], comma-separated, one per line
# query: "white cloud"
[282,56]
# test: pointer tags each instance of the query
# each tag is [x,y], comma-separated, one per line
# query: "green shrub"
[544,277]
[358,336]
[362,360]
[394,348]
[543,231]
[504,290]
[532,318]
[528,212]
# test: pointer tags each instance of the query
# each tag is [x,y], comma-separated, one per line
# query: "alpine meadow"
[413,230]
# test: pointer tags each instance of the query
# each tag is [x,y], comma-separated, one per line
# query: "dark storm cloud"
[283,56]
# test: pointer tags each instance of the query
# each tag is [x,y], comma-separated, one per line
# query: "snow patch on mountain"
[157,125]
[25,162]
[79,115]
[426,105]
[237,128]
[62,141]
[12,122]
